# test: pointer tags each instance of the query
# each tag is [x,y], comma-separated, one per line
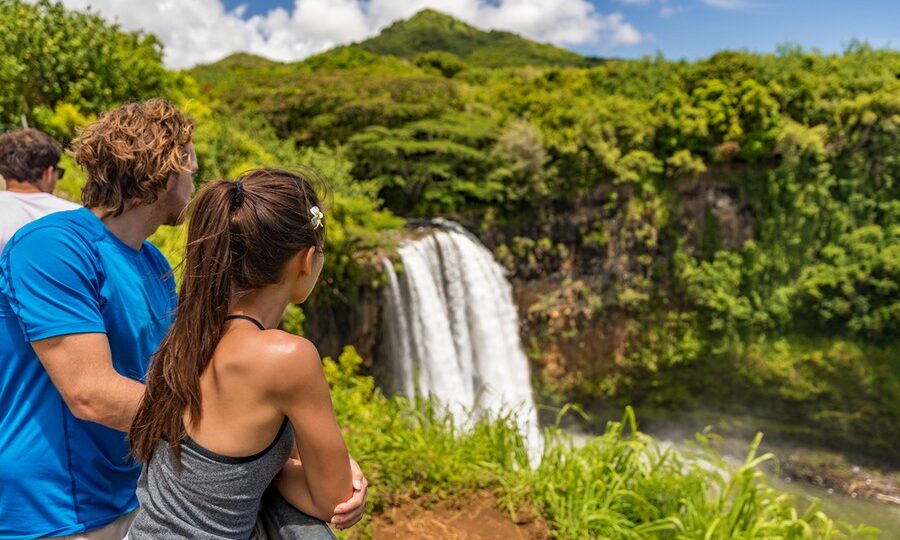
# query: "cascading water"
[453,331]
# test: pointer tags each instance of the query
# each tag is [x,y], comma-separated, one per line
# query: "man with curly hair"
[29,163]
[85,300]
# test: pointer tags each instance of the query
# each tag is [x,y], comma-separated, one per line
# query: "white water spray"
[452,331]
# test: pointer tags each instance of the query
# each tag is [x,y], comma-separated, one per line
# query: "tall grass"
[618,485]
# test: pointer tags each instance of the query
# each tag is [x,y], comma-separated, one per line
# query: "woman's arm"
[299,390]
[346,514]
[292,485]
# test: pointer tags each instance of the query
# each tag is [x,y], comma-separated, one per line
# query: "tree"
[56,65]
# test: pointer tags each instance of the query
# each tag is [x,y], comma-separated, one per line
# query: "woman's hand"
[349,512]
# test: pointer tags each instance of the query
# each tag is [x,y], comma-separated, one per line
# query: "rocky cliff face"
[712,211]
[356,322]
[576,269]
[591,276]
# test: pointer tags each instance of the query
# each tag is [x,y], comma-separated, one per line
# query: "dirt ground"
[475,517]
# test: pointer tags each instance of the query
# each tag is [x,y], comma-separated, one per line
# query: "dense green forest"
[720,233]
[721,228]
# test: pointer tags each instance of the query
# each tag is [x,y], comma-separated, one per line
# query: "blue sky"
[697,28]
[203,31]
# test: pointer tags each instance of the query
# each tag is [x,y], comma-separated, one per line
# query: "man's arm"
[80,366]
[53,286]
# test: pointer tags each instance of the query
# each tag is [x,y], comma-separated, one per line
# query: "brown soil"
[474,517]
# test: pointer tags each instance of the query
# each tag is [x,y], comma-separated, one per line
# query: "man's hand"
[349,512]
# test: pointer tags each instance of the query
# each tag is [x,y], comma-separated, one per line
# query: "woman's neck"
[265,305]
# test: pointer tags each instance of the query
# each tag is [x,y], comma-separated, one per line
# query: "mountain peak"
[433,14]
[431,30]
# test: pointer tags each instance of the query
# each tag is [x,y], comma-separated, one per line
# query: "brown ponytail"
[240,237]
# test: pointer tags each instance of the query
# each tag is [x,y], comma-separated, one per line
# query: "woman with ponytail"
[232,403]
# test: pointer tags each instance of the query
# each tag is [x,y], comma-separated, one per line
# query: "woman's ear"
[306,260]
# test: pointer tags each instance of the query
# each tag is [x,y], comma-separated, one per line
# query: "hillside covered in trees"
[681,233]
[722,233]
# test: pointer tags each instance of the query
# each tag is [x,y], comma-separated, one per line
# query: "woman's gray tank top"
[208,495]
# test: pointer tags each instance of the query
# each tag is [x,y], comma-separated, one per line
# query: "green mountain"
[231,67]
[430,37]
[430,31]
[238,60]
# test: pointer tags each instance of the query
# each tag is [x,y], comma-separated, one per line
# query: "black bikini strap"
[246,318]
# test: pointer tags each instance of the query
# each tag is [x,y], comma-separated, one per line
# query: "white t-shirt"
[19,209]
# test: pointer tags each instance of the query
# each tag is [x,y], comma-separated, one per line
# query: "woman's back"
[238,417]
[222,387]
[206,495]
[212,493]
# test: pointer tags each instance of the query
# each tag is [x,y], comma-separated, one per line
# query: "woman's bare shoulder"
[284,362]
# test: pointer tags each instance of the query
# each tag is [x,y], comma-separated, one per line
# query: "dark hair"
[26,153]
[130,152]
[240,237]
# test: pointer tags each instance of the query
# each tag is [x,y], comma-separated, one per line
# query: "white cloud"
[198,31]
[730,4]
[620,32]
[665,10]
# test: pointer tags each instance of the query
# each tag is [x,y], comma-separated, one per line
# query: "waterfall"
[452,331]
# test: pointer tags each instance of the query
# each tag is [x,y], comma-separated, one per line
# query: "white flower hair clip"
[317,217]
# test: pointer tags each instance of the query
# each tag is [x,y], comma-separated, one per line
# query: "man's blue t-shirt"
[68,274]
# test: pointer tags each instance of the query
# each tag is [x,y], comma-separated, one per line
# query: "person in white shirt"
[29,162]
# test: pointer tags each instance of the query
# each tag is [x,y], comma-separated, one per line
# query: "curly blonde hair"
[130,152]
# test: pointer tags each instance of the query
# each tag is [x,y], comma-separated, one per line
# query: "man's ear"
[47,175]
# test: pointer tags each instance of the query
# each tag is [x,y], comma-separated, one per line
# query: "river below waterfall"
[452,332]
[883,516]
[732,447]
